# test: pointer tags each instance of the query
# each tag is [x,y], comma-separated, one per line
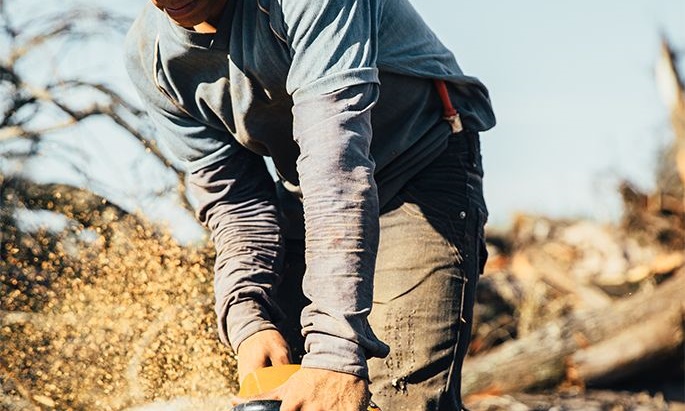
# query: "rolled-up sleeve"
[334,84]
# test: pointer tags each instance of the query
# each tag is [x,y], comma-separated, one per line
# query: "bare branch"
[74,24]
[25,100]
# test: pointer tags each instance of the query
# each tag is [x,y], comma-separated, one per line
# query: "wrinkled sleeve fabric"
[235,200]
[334,84]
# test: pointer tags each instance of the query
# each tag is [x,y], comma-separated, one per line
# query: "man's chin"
[185,23]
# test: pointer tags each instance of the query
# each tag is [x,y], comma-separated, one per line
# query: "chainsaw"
[267,379]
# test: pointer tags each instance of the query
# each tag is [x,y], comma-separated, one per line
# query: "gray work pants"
[430,255]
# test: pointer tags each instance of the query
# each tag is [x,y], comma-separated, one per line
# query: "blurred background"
[105,277]
[574,89]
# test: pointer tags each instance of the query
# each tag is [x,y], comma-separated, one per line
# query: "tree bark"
[670,83]
[542,357]
[632,350]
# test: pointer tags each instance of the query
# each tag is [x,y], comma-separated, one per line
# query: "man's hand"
[311,389]
[260,350]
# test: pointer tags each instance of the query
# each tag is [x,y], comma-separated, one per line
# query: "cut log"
[541,358]
[634,349]
[673,93]
[584,401]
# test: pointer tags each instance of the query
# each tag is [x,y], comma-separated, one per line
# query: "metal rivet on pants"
[462,215]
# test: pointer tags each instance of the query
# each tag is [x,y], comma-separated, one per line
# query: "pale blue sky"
[572,84]
[573,87]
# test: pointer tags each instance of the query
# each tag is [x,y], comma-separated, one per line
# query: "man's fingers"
[291,405]
[262,349]
[248,365]
[280,357]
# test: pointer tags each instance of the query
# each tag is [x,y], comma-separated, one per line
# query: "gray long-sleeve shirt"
[337,93]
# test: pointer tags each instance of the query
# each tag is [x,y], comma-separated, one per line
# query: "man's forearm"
[341,224]
[236,201]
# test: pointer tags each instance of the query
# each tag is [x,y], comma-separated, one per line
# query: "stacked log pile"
[570,304]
